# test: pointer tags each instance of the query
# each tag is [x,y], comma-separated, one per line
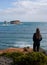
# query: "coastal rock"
[15,22]
[5,61]
[10,50]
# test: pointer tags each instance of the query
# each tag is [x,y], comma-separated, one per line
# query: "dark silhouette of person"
[36,39]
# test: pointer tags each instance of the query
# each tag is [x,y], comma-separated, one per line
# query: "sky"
[23,10]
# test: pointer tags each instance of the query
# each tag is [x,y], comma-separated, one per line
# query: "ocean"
[20,35]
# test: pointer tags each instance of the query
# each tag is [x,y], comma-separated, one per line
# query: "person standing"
[36,39]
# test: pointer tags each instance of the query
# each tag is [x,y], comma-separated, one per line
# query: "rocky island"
[15,22]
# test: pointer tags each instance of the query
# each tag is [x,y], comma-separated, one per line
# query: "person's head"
[38,31]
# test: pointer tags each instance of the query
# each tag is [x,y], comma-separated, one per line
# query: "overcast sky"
[23,10]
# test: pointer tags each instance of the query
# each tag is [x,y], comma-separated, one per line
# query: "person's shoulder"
[34,33]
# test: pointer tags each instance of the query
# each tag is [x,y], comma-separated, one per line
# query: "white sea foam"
[5,24]
[22,44]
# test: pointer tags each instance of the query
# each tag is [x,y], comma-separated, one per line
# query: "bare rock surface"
[5,61]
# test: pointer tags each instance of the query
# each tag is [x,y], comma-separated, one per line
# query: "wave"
[22,44]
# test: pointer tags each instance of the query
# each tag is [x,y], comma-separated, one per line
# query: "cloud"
[27,10]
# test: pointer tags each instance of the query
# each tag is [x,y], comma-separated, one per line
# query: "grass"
[33,58]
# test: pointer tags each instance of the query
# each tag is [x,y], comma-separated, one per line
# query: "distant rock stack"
[15,22]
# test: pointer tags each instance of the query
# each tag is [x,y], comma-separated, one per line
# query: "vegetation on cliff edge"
[33,58]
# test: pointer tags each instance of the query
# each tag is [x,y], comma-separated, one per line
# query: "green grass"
[33,58]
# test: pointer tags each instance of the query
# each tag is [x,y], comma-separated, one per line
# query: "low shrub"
[33,58]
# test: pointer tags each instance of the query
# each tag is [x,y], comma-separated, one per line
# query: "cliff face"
[15,22]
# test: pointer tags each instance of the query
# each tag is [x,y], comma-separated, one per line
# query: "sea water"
[20,35]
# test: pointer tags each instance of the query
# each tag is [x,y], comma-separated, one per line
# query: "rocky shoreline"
[16,50]
[25,49]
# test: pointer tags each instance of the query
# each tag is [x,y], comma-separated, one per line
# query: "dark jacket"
[36,40]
